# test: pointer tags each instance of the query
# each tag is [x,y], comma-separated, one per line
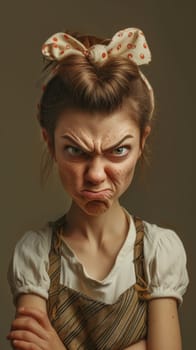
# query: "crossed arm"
[31,329]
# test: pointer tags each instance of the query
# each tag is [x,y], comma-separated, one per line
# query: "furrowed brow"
[77,144]
[129,136]
[72,140]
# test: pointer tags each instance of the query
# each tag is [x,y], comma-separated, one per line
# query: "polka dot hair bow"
[130,43]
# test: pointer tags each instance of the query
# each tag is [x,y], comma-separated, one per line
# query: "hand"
[32,330]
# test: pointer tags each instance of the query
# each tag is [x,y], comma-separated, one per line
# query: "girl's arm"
[163,325]
[31,327]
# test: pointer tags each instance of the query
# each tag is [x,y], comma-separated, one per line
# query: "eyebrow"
[128,136]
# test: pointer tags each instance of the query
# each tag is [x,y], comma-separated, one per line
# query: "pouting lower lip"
[104,194]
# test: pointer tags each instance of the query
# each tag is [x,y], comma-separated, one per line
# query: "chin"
[95,208]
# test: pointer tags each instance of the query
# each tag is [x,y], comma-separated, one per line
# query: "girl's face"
[96,157]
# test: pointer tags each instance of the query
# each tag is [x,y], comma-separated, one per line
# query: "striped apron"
[87,324]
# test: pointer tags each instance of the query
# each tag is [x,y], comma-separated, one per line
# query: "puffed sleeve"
[27,272]
[165,263]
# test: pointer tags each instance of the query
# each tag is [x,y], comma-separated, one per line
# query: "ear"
[145,135]
[48,141]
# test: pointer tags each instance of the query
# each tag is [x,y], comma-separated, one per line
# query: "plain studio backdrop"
[163,192]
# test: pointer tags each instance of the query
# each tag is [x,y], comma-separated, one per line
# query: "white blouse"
[164,256]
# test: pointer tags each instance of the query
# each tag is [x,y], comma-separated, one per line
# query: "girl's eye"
[74,151]
[120,151]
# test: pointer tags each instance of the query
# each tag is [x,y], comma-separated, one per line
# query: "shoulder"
[33,243]
[37,239]
[157,237]
[165,262]
[29,264]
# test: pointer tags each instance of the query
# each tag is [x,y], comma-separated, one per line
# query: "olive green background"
[162,193]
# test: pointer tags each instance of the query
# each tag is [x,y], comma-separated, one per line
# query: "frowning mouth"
[97,195]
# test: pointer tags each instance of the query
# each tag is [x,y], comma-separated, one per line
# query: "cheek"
[123,173]
[128,175]
[64,170]
[69,173]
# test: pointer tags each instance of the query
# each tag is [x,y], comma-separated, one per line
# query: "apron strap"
[141,285]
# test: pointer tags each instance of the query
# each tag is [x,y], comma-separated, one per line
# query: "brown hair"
[95,87]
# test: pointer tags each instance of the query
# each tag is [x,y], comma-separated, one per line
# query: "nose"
[95,171]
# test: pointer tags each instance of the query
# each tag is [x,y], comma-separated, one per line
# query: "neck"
[96,227]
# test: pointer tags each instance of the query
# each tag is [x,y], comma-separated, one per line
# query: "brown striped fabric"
[87,324]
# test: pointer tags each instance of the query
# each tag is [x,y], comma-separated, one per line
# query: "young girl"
[98,277]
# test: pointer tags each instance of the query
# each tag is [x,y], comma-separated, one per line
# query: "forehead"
[80,123]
